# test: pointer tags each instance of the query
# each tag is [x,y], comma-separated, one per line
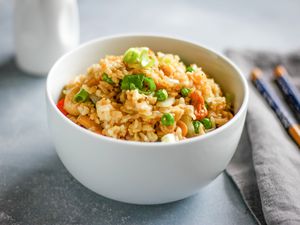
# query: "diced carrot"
[196,97]
[183,127]
[197,78]
[167,70]
[159,85]
[60,106]
[199,105]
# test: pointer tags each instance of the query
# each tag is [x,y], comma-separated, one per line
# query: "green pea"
[167,119]
[161,95]
[206,123]
[196,125]
[185,92]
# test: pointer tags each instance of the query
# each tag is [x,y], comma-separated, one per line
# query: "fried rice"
[147,97]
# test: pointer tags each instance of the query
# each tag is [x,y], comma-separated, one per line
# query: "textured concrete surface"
[35,188]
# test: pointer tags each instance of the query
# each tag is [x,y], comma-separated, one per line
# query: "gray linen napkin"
[266,166]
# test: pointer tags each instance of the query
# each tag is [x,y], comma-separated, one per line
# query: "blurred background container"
[219,24]
[44,31]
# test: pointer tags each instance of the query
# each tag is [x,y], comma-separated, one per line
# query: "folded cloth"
[266,165]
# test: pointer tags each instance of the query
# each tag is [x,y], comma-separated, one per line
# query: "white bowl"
[136,172]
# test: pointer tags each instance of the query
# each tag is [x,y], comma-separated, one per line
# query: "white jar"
[44,30]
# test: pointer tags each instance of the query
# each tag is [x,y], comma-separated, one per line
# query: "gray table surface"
[35,188]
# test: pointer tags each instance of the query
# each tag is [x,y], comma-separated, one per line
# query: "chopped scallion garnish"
[206,104]
[81,96]
[131,82]
[190,69]
[150,84]
[138,57]
[107,79]
[131,55]
[145,85]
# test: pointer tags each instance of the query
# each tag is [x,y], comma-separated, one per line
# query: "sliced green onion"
[206,104]
[81,96]
[185,92]
[206,123]
[167,119]
[144,58]
[190,69]
[131,55]
[106,78]
[145,92]
[161,95]
[145,85]
[138,57]
[196,125]
[131,82]
[150,84]
[132,86]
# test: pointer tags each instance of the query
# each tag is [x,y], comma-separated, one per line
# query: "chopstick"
[288,90]
[288,123]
